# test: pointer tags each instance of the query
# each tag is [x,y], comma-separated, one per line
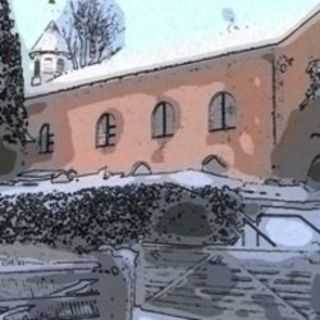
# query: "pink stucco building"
[253,109]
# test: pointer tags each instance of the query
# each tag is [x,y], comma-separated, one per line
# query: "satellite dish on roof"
[229,16]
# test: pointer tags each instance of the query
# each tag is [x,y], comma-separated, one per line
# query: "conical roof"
[51,41]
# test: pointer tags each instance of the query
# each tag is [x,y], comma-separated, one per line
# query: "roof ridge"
[52,26]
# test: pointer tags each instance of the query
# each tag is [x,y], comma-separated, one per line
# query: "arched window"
[163,120]
[46,142]
[60,66]
[37,68]
[106,131]
[222,112]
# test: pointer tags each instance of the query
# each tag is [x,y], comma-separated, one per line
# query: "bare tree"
[93,31]
[72,43]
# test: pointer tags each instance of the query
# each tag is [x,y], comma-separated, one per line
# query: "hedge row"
[87,219]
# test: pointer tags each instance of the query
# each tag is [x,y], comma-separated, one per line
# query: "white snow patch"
[139,314]
[284,193]
[91,181]
[196,179]
[275,257]
[312,214]
[188,179]
[49,267]
[289,232]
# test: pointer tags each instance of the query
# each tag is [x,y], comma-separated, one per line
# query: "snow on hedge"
[188,178]
[85,220]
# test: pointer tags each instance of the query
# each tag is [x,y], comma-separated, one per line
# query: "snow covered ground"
[282,231]
[139,314]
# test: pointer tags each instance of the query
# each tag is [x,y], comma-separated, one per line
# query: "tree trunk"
[82,52]
[74,56]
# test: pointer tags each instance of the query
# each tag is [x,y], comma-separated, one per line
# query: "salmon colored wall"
[303,47]
[291,85]
[73,117]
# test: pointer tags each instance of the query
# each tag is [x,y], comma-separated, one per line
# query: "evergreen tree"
[13,115]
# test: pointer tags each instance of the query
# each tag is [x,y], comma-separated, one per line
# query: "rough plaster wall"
[189,89]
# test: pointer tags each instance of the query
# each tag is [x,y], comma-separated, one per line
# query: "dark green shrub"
[87,219]
[201,216]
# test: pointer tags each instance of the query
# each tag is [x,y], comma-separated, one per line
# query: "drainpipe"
[274,99]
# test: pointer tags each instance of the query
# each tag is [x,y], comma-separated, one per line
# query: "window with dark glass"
[46,141]
[222,112]
[163,120]
[60,66]
[106,131]
[37,68]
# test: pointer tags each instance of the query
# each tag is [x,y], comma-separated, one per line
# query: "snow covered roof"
[132,61]
[51,40]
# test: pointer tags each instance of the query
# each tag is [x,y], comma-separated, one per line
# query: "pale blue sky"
[178,19]
[167,22]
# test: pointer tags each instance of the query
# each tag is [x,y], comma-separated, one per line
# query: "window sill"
[223,129]
[105,146]
[163,137]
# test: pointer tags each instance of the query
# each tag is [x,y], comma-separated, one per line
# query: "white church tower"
[50,56]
